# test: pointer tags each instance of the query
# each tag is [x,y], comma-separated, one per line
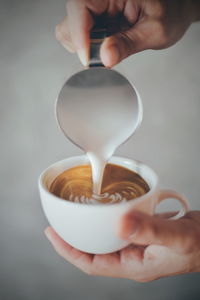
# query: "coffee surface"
[119,184]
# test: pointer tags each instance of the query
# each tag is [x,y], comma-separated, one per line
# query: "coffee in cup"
[119,184]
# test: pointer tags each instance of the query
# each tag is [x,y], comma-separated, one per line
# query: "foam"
[98,199]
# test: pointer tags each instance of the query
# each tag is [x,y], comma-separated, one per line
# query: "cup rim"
[43,187]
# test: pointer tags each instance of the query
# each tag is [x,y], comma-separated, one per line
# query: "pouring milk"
[98,109]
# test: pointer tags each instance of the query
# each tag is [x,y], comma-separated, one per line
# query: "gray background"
[33,66]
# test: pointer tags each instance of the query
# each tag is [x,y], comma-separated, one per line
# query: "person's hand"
[158,248]
[153,24]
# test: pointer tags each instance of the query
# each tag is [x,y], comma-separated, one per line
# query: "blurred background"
[33,67]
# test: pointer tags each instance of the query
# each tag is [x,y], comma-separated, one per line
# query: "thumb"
[181,235]
[121,45]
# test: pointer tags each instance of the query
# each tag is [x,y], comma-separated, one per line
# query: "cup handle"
[166,194]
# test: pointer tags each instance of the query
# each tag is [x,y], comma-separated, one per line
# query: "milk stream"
[98,164]
[99,158]
[105,134]
[101,112]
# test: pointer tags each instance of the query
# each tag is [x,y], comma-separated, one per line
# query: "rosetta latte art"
[119,185]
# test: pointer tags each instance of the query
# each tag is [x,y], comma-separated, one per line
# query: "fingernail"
[83,57]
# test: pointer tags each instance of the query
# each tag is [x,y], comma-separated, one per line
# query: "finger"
[63,35]
[166,215]
[78,258]
[146,34]
[121,45]
[119,264]
[132,263]
[80,25]
[107,265]
[132,253]
[181,235]
[101,265]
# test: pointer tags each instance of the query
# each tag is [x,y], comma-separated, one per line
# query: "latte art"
[95,199]
[119,185]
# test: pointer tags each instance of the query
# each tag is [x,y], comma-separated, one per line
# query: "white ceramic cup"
[92,228]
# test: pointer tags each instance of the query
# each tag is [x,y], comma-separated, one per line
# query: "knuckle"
[187,247]
[191,243]
[82,267]
[152,231]
[160,9]
[57,32]
[87,271]
[135,40]
[59,251]
[61,36]
[194,216]
[160,30]
[126,42]
[162,34]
